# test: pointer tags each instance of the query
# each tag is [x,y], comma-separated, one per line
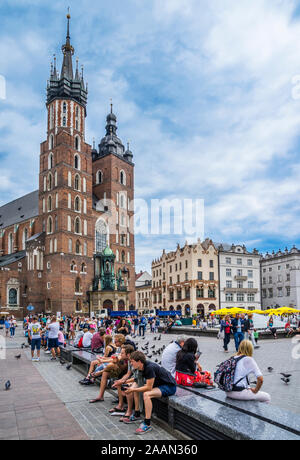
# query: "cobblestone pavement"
[30,409]
[277,354]
[94,419]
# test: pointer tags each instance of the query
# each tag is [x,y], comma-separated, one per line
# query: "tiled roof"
[17,211]
[12,258]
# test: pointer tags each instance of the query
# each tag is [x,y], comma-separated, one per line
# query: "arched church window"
[78,285]
[50,161]
[77,204]
[99,177]
[64,107]
[49,225]
[51,142]
[77,182]
[13,297]
[49,203]
[78,248]
[10,243]
[76,162]
[123,257]
[77,226]
[101,236]
[122,178]
[50,181]
[64,121]
[25,238]
[77,142]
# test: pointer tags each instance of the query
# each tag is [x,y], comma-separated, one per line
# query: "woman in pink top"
[61,338]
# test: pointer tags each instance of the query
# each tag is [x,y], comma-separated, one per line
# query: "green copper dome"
[107,251]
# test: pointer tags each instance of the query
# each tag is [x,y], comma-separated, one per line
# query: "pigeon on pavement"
[286,376]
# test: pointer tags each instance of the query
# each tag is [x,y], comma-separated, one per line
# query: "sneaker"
[131,419]
[47,352]
[53,359]
[143,428]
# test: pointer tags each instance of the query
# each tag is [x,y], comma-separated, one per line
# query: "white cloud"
[203,91]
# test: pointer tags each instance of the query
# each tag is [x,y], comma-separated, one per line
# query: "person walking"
[13,325]
[7,326]
[142,326]
[53,338]
[226,327]
[237,327]
[34,333]
[245,366]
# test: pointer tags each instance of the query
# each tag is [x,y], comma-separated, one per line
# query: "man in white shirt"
[87,338]
[34,332]
[170,354]
[53,338]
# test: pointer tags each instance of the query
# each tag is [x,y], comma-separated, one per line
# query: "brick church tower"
[65,189]
[53,241]
[73,180]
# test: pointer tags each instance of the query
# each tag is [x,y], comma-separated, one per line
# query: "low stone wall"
[195,332]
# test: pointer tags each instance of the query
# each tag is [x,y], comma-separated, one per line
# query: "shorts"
[167,390]
[35,344]
[101,367]
[53,343]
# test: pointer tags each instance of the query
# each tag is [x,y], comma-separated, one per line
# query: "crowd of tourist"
[136,379]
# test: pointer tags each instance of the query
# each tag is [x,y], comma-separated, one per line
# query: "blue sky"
[202,88]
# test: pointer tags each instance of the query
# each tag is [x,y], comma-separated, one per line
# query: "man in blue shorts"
[53,345]
[34,333]
[159,383]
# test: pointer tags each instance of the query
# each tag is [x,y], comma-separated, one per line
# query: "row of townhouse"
[206,276]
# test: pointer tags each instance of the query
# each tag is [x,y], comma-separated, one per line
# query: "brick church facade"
[51,240]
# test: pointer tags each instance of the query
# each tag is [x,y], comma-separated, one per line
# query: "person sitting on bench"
[159,383]
[117,368]
[102,361]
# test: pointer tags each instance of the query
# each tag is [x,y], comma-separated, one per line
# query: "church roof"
[17,211]
[12,258]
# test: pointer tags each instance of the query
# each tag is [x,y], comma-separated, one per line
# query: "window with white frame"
[229,297]
[99,177]
[50,161]
[77,162]
[122,178]
[77,226]
[77,182]
[101,236]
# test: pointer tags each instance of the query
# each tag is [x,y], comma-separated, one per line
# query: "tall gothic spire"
[66,85]
[68,51]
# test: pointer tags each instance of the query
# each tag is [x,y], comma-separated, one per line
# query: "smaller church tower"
[113,182]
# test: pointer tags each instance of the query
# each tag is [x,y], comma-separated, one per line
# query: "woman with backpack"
[245,366]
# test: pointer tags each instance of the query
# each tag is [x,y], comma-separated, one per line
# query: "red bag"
[80,343]
[188,380]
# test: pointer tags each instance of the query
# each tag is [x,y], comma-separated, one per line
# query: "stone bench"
[196,332]
[82,360]
[210,415]
[66,352]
